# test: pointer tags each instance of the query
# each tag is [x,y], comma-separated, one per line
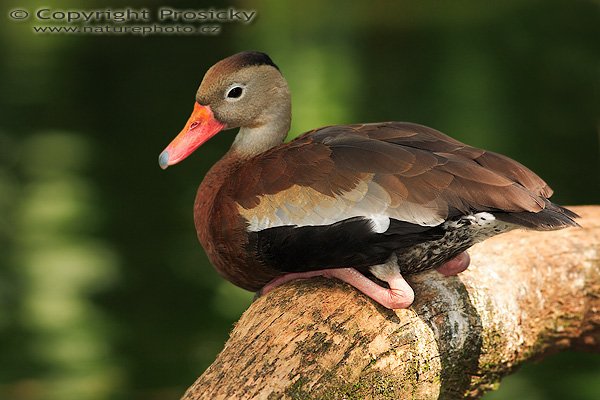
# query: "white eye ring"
[235,92]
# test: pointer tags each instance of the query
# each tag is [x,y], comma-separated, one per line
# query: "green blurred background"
[105,292]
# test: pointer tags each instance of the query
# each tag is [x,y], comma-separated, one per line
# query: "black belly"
[352,243]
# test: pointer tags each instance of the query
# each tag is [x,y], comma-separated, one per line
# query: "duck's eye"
[235,92]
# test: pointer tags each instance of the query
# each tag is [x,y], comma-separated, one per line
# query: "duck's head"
[245,90]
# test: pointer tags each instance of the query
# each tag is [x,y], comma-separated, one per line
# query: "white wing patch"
[380,223]
[304,206]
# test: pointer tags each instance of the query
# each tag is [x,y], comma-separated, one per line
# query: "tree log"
[526,294]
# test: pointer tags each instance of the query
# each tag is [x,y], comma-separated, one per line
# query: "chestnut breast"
[222,231]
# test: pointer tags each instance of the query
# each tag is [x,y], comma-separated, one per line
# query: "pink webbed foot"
[399,295]
[456,265]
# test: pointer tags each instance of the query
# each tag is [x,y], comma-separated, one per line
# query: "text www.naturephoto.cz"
[143,30]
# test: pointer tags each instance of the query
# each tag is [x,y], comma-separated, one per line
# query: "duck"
[368,204]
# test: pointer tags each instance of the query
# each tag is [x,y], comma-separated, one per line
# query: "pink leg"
[399,295]
[455,266]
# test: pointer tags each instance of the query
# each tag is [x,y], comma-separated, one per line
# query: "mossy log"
[526,294]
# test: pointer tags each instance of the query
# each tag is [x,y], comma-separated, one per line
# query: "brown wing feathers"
[431,165]
[413,173]
[412,163]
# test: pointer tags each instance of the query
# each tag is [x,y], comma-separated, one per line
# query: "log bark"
[526,294]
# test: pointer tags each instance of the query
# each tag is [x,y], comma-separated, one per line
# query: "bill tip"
[163,159]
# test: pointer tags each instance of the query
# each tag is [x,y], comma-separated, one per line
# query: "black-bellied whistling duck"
[387,199]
